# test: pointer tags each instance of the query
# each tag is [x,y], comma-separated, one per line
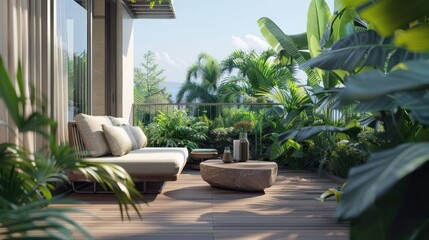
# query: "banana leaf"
[368,182]
[279,40]
[304,133]
[409,76]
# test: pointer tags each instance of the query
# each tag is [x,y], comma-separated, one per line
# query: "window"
[73,40]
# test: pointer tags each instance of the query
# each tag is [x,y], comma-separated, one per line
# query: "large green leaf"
[412,75]
[368,182]
[390,15]
[340,26]
[417,103]
[22,222]
[414,39]
[304,133]
[397,17]
[8,93]
[358,50]
[279,40]
[318,17]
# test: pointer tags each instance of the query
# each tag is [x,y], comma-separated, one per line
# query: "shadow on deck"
[190,209]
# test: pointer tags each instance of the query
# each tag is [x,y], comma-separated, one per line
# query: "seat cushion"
[149,162]
[118,139]
[92,135]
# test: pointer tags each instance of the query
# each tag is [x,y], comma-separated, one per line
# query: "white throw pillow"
[127,129]
[118,140]
[92,135]
[118,121]
[139,135]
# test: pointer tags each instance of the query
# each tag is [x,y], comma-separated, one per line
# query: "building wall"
[124,66]
[127,64]
[98,59]
[125,78]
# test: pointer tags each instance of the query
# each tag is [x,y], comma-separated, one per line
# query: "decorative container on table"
[242,147]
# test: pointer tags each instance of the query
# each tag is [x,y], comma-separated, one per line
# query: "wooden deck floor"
[190,209]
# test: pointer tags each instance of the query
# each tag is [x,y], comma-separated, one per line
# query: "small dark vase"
[244,147]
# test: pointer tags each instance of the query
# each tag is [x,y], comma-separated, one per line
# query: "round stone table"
[243,176]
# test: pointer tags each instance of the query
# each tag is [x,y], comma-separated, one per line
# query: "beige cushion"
[118,140]
[140,137]
[92,135]
[118,121]
[127,129]
[149,161]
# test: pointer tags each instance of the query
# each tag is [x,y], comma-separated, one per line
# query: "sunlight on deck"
[191,209]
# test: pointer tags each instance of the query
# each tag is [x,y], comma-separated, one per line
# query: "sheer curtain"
[28,36]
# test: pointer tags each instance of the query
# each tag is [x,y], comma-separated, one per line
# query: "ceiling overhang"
[141,9]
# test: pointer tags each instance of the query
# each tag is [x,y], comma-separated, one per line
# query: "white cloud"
[250,42]
[256,42]
[239,42]
[169,60]
[165,58]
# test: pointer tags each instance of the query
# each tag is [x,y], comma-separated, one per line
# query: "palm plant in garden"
[202,82]
[257,73]
[27,179]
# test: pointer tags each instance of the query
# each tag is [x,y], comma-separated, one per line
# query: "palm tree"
[256,74]
[201,83]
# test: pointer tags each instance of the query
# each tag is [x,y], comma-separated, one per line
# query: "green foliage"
[151,2]
[234,115]
[280,41]
[202,79]
[147,81]
[257,73]
[218,122]
[386,192]
[176,129]
[344,157]
[220,138]
[27,179]
[389,16]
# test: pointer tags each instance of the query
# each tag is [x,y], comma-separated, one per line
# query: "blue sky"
[214,27]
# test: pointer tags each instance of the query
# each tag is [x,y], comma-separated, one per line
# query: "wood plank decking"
[190,209]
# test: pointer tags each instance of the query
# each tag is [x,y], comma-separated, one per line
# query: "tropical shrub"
[343,157]
[27,179]
[176,129]
[220,138]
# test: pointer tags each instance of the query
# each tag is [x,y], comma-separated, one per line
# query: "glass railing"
[219,118]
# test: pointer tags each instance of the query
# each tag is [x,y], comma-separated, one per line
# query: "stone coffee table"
[242,176]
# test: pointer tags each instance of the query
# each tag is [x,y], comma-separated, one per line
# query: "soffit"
[141,9]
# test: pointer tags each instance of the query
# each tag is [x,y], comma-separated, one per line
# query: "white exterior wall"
[126,79]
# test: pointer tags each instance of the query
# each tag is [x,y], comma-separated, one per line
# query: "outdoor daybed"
[111,140]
